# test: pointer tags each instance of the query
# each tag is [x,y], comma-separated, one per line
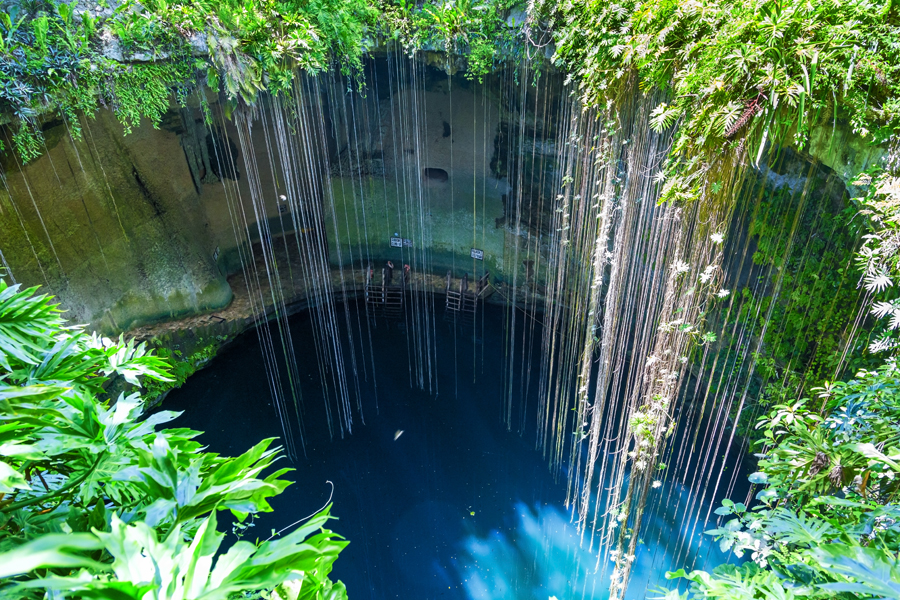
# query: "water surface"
[455,506]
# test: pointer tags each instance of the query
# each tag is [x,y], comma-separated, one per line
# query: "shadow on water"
[455,507]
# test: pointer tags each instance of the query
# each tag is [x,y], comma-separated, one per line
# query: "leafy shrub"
[97,502]
[737,75]
[827,522]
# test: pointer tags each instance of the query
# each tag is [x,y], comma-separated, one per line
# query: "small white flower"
[717,238]
[707,274]
[657,484]
[680,267]
[723,293]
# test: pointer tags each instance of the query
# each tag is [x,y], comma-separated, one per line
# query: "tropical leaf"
[871,571]
[795,528]
[663,116]
[70,461]
[60,550]
[11,480]
[148,567]
[869,451]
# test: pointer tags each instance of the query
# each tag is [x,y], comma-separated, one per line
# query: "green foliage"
[259,44]
[474,28]
[827,521]
[144,91]
[818,293]
[737,75]
[52,59]
[97,502]
[744,582]
[879,257]
[145,567]
[800,299]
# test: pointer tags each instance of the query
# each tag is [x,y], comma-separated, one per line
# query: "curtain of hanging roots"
[626,286]
[626,281]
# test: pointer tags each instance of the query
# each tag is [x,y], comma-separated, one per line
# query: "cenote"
[437,496]
[470,300]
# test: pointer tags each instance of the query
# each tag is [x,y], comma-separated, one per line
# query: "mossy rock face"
[834,144]
[110,225]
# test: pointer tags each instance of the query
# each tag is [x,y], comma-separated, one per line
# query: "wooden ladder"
[385,299]
[461,304]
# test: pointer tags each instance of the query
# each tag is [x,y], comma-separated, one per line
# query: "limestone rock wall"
[111,225]
[132,230]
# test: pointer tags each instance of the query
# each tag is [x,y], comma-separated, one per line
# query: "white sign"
[477,254]
[396,242]
[407,242]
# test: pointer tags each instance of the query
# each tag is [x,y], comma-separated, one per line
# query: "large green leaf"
[59,550]
[11,480]
[27,323]
[871,452]
[870,571]
[172,568]
[796,528]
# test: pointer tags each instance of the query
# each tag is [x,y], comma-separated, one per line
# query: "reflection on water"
[541,557]
[544,556]
[437,498]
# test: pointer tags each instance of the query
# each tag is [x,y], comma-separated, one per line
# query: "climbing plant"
[97,501]
[133,56]
[826,517]
[737,75]
[800,299]
[477,30]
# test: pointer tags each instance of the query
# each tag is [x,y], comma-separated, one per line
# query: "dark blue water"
[456,507]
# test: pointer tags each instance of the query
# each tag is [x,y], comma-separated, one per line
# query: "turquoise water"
[455,506]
